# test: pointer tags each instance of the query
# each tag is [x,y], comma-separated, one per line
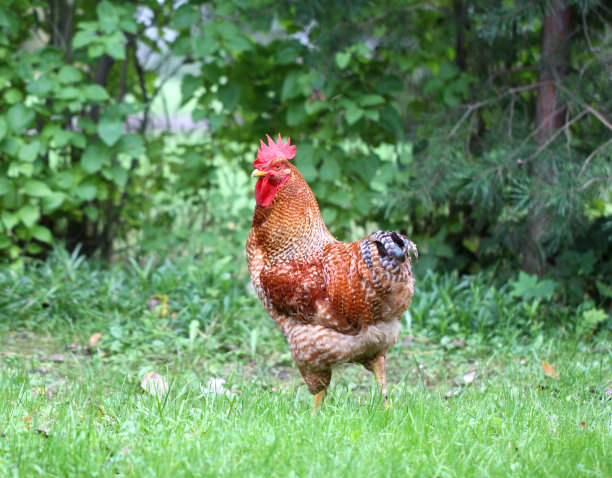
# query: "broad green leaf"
[227,29]
[83,38]
[86,192]
[329,214]
[330,170]
[28,215]
[95,93]
[110,131]
[3,128]
[447,71]
[238,43]
[374,115]
[17,169]
[29,151]
[205,45]
[108,15]
[450,98]
[69,74]
[42,234]
[370,100]
[61,138]
[40,87]
[9,220]
[35,188]
[119,175]
[391,121]
[290,87]
[216,121]
[189,84]
[296,114]
[132,145]
[185,16]
[91,212]
[306,162]
[115,49]
[53,201]
[13,95]
[229,95]
[353,113]
[96,50]
[19,118]
[5,186]
[95,157]
[343,58]
[69,93]
[5,241]
[65,179]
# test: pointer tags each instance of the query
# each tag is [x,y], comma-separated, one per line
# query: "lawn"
[504,397]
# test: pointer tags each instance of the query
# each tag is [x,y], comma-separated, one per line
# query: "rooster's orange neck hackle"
[334,301]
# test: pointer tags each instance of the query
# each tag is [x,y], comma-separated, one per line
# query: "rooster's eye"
[277,166]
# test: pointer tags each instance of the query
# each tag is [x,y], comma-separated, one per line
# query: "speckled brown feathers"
[334,301]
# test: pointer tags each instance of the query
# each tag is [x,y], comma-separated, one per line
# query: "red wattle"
[265,190]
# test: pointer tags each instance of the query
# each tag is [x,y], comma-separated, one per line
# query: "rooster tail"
[393,249]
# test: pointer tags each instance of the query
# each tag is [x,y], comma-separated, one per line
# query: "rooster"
[334,301]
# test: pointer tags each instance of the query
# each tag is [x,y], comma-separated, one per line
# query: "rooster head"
[272,168]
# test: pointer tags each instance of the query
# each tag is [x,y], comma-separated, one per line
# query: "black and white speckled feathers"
[393,249]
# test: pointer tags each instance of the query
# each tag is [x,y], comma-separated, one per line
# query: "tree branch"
[592,155]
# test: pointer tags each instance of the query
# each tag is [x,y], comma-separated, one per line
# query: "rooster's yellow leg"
[378,367]
[318,400]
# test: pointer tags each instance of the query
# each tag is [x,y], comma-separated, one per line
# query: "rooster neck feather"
[292,223]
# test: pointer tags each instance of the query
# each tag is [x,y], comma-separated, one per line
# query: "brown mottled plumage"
[334,301]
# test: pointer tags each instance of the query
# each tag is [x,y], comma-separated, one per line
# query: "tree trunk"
[550,113]
[553,67]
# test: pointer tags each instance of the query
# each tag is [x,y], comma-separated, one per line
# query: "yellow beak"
[258,173]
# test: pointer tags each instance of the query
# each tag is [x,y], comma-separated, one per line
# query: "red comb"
[272,151]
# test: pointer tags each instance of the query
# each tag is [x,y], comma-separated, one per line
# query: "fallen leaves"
[59,358]
[154,384]
[93,341]
[216,385]
[549,370]
[156,300]
[27,420]
[469,377]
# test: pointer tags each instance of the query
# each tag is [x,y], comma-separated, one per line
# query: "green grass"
[84,413]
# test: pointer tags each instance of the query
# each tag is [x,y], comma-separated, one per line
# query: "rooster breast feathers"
[344,285]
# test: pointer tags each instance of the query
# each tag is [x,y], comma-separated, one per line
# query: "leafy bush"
[419,118]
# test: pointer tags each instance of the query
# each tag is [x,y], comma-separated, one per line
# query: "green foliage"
[420,118]
[87,413]
[69,162]
[528,287]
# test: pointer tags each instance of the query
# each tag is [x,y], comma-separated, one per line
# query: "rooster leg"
[318,400]
[378,367]
[317,382]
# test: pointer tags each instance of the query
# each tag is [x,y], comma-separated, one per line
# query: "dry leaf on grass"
[156,300]
[469,378]
[57,358]
[452,393]
[549,370]
[154,383]
[582,426]
[216,385]
[93,340]
[44,431]
[28,420]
